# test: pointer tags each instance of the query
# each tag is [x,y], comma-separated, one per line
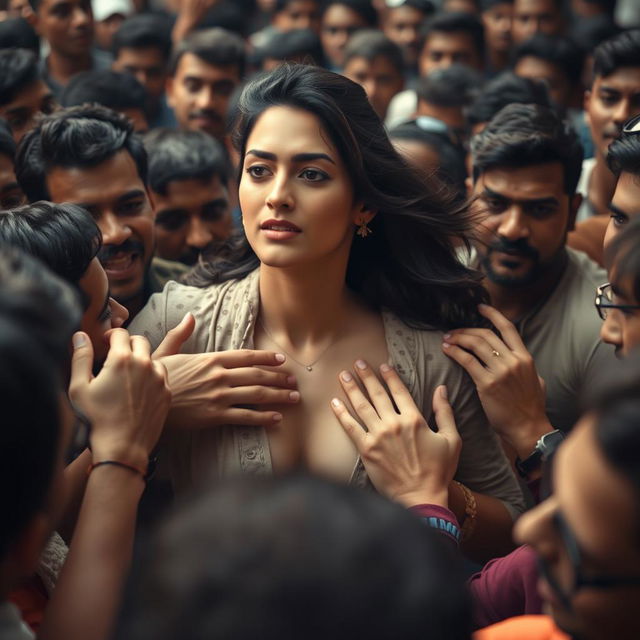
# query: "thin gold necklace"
[308,367]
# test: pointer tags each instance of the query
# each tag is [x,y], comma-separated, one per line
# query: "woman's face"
[295,193]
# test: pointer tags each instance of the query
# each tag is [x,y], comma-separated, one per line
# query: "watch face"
[550,441]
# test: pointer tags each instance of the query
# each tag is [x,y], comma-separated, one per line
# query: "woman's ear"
[363,215]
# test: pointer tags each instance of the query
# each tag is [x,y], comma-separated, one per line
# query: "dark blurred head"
[537,16]
[10,192]
[296,14]
[298,45]
[17,33]
[301,558]
[401,22]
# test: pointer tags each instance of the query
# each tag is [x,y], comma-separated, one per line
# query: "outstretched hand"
[405,460]
[127,402]
[510,390]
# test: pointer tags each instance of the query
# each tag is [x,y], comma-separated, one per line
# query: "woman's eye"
[619,219]
[312,175]
[257,171]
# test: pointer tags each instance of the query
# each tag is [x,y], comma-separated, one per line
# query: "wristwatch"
[546,445]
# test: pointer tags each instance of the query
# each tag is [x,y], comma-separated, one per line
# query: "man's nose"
[198,236]
[113,230]
[513,224]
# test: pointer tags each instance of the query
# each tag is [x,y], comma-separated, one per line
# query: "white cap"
[103,9]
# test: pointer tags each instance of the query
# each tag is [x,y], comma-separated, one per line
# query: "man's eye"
[171,221]
[130,208]
[609,99]
[11,200]
[213,213]
[619,219]
[192,86]
[18,122]
[493,205]
[541,211]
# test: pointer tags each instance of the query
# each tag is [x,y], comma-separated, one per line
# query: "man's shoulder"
[584,274]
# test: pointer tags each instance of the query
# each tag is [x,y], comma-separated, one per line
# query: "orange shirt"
[522,628]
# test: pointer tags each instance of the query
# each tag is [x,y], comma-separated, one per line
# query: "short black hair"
[615,53]
[142,31]
[38,315]
[105,87]
[371,43]
[63,236]
[485,5]
[17,33]
[454,86]
[82,136]
[291,45]
[215,46]
[560,51]
[7,143]
[506,88]
[588,33]
[281,5]
[455,22]
[18,70]
[229,15]
[624,256]
[183,155]
[624,154]
[301,558]
[608,6]
[363,8]
[425,6]
[521,135]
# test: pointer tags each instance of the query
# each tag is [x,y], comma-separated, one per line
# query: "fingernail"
[445,345]
[79,340]
[361,364]
[277,417]
[446,336]
[443,392]
[335,402]
[482,307]
[385,368]
[280,357]
[346,376]
[186,315]
[291,379]
[294,396]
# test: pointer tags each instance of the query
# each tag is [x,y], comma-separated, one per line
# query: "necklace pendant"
[309,368]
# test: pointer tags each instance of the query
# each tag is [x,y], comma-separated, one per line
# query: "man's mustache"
[518,247]
[109,251]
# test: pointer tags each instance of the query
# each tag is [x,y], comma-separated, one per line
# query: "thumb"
[444,413]
[81,362]
[175,338]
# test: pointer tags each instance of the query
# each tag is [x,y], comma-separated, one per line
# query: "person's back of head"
[183,155]
[588,33]
[17,33]
[18,70]
[297,45]
[522,135]
[506,88]
[454,86]
[64,237]
[371,44]
[294,558]
[144,31]
[75,137]
[118,91]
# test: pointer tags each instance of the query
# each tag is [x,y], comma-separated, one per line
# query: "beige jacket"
[225,319]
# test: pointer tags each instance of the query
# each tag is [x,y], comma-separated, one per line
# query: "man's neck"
[61,68]
[498,60]
[516,302]
[602,184]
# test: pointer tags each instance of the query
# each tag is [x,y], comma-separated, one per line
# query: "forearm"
[75,478]
[88,592]
[492,531]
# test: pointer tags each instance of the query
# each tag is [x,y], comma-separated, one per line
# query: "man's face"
[298,14]
[524,215]
[610,103]
[441,50]
[557,82]
[102,313]
[106,29]
[190,216]
[497,23]
[536,16]
[148,65]
[199,94]
[20,113]
[402,25]
[378,77]
[10,192]
[67,25]
[624,206]
[621,327]
[339,23]
[599,507]
[116,197]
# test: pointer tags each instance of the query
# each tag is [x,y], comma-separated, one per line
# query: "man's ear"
[574,204]
[152,200]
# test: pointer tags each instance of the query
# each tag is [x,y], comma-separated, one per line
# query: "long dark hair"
[408,265]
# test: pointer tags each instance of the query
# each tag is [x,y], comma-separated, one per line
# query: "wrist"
[526,436]
[128,454]
[410,499]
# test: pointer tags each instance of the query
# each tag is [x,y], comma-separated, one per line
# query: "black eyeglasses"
[632,126]
[79,436]
[604,301]
[580,580]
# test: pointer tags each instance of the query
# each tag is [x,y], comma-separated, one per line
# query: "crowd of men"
[118,175]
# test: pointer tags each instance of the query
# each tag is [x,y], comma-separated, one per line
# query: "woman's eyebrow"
[298,157]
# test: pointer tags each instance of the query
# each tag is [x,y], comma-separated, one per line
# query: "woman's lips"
[279,229]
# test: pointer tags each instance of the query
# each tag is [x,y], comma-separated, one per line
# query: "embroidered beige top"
[225,319]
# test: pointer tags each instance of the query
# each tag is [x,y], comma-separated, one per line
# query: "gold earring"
[363,229]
